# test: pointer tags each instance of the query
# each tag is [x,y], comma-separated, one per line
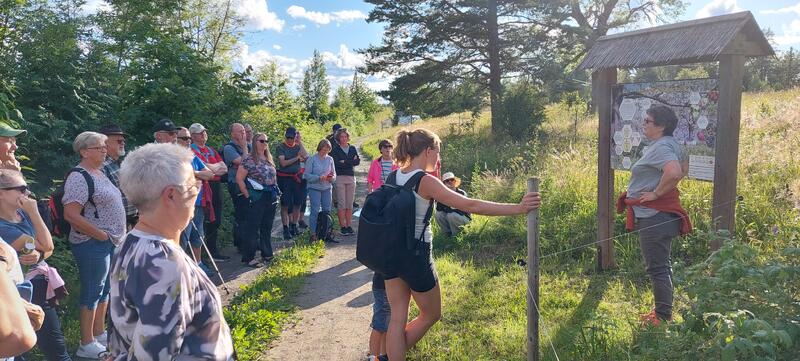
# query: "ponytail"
[410,144]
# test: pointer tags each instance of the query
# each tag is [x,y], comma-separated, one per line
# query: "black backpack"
[60,225]
[386,226]
[324,226]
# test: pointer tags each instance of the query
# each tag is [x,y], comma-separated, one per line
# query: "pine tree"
[315,88]
[363,97]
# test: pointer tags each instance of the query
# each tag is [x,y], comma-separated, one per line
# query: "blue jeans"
[192,233]
[317,197]
[93,258]
[257,234]
[380,310]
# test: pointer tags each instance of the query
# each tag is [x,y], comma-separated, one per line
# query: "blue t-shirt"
[11,231]
[198,165]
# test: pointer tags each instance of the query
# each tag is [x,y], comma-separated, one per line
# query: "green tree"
[344,110]
[363,97]
[315,88]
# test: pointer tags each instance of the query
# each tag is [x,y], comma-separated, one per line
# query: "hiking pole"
[211,257]
[533,277]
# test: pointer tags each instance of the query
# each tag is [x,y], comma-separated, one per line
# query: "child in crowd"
[380,320]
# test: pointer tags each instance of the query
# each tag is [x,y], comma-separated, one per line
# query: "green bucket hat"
[7,131]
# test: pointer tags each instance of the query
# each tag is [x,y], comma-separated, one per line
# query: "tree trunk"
[495,73]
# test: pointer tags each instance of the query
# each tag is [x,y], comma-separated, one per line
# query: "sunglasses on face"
[262,141]
[22,189]
[120,141]
[185,139]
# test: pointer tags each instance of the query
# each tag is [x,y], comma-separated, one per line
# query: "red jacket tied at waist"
[295,176]
[669,202]
[207,202]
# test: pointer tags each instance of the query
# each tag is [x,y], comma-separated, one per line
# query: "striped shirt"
[386,168]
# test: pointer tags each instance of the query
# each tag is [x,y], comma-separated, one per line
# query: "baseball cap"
[7,131]
[336,127]
[164,125]
[291,132]
[448,175]
[196,128]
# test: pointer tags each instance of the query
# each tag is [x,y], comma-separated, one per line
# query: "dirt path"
[335,303]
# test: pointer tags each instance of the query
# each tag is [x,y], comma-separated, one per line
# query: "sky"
[288,32]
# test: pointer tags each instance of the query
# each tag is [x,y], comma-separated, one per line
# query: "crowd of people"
[141,227]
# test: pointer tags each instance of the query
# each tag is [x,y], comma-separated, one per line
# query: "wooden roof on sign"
[694,41]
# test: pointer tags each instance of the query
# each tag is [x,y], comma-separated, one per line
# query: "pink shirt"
[374,180]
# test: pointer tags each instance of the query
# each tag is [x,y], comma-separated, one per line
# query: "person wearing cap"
[331,137]
[290,154]
[8,145]
[345,158]
[451,220]
[165,131]
[98,224]
[233,154]
[214,162]
[115,142]
[193,234]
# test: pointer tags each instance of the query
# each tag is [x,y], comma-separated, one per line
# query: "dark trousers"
[655,239]
[212,228]
[239,212]
[49,338]
[258,227]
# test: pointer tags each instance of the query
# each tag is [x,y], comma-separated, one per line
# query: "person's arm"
[72,214]
[205,174]
[673,173]
[355,160]
[311,171]
[241,174]
[232,156]
[16,332]
[333,170]
[432,187]
[74,202]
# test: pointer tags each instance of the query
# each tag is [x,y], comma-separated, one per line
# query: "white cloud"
[299,27]
[791,34]
[277,47]
[789,9]
[322,18]
[718,7]
[340,66]
[258,16]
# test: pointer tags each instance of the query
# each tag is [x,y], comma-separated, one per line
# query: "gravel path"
[335,304]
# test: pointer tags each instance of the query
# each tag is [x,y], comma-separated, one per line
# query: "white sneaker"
[372,358]
[93,350]
[102,339]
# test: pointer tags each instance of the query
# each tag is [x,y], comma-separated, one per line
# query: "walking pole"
[533,277]
[211,257]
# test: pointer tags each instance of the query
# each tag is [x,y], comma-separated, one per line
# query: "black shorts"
[291,192]
[418,272]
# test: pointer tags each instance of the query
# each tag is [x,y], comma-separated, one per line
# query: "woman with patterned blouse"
[163,306]
[257,180]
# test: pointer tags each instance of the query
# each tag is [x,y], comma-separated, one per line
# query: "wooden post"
[726,160]
[602,81]
[533,277]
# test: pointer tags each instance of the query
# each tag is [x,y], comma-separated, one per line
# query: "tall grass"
[594,316]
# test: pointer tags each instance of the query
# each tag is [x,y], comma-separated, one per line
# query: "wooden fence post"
[533,277]
[602,81]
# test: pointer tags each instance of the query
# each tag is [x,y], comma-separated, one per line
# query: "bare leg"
[285,215]
[399,297]
[341,214]
[430,311]
[197,254]
[87,325]
[348,214]
[375,342]
[100,318]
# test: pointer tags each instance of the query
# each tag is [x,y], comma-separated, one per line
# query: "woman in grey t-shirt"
[653,192]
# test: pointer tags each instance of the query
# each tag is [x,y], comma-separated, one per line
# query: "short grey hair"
[86,140]
[149,169]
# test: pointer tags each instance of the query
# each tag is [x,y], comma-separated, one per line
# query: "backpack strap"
[89,187]
[415,182]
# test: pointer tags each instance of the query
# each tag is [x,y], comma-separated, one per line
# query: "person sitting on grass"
[450,219]
[163,306]
[418,151]
[380,168]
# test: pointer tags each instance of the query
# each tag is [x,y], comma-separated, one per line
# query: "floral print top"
[261,172]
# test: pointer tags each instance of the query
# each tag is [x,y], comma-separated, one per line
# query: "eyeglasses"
[188,188]
[650,121]
[120,141]
[262,141]
[22,189]
[185,139]
[101,148]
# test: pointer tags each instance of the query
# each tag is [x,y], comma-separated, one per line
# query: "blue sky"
[288,31]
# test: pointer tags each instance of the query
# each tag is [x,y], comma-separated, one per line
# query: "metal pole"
[533,276]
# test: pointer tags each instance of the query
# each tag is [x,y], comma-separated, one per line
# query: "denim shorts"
[380,311]
[93,258]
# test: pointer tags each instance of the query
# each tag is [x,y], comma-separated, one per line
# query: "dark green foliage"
[523,110]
